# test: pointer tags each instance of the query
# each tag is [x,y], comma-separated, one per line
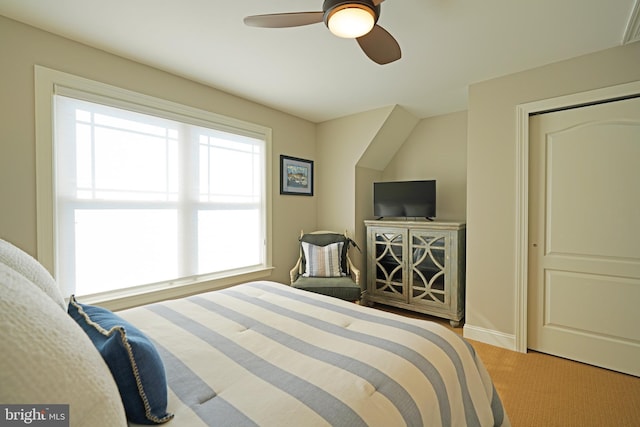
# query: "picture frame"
[296,176]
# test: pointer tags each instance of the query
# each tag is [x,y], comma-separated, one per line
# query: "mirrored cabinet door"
[389,266]
[428,268]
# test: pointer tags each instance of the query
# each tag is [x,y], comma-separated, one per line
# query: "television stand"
[418,266]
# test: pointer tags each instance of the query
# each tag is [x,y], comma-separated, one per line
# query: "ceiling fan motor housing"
[328,6]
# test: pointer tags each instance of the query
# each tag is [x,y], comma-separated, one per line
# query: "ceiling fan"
[345,18]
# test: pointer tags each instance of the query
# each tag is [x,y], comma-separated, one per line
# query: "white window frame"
[48,82]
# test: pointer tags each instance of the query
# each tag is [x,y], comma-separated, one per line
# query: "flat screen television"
[404,199]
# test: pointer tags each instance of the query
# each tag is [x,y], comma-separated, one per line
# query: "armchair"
[324,266]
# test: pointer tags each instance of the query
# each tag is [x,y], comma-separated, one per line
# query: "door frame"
[523,112]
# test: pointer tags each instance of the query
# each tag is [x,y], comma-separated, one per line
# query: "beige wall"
[365,177]
[437,149]
[21,47]
[341,144]
[352,152]
[491,172]
[387,144]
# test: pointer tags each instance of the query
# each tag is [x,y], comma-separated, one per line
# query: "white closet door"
[584,234]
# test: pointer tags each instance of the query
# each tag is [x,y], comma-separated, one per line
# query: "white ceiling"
[306,71]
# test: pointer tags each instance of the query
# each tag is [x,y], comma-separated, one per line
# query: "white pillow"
[46,358]
[23,263]
[323,261]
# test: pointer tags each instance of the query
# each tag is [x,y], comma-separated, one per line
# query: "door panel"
[584,230]
[607,294]
[602,166]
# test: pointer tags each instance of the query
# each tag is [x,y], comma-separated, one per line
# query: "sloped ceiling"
[397,127]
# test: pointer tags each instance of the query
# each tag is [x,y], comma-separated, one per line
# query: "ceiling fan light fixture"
[351,20]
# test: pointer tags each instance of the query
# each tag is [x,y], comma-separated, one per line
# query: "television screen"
[404,199]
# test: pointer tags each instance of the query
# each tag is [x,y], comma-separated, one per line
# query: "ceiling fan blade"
[377,2]
[284,20]
[380,46]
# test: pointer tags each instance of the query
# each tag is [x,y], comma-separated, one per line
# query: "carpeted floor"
[539,390]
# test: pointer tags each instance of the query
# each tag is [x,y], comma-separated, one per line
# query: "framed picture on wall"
[296,176]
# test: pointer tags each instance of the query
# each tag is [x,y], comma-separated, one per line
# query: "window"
[146,195]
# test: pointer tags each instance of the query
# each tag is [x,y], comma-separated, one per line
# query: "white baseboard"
[488,336]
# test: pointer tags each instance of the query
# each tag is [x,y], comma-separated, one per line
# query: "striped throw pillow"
[323,261]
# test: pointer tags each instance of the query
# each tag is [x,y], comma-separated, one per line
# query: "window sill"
[127,298]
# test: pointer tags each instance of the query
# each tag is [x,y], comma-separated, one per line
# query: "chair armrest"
[355,273]
[295,271]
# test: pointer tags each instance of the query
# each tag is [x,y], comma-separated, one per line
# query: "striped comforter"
[265,354]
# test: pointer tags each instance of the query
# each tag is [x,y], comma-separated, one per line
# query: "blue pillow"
[134,362]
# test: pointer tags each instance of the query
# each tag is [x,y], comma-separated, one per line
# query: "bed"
[265,354]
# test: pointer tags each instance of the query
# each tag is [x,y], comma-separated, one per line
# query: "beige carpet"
[539,390]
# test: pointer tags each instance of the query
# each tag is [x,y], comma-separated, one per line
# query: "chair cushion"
[323,239]
[323,261]
[133,360]
[339,287]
